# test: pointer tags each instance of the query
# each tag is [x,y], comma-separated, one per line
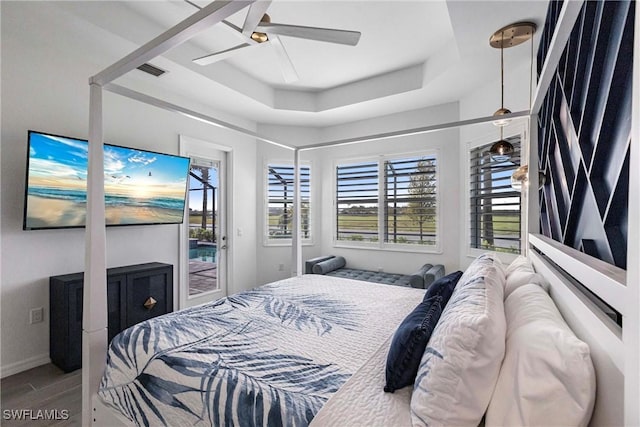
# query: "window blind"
[357,202]
[495,205]
[280,201]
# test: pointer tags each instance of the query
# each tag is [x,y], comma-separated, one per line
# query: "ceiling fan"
[258,29]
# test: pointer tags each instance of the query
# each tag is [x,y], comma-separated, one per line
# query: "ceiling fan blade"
[329,35]
[288,70]
[236,30]
[219,56]
[254,15]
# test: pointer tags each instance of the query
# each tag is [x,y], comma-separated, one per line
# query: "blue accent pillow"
[443,287]
[409,342]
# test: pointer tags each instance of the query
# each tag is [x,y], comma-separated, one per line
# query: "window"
[357,202]
[280,202]
[410,201]
[388,202]
[494,204]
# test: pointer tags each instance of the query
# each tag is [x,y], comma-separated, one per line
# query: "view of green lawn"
[504,224]
[197,219]
[501,224]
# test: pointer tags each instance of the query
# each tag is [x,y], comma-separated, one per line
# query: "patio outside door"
[204,240]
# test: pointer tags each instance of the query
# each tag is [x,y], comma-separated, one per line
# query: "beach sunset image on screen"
[141,187]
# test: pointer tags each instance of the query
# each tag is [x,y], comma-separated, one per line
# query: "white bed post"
[296,239]
[94,316]
[532,219]
[631,322]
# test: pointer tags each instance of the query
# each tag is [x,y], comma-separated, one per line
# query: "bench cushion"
[414,281]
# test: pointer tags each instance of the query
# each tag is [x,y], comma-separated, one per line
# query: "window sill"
[405,249]
[285,243]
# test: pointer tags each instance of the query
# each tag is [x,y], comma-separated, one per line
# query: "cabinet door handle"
[150,303]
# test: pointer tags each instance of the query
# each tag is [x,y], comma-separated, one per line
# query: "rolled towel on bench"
[325,267]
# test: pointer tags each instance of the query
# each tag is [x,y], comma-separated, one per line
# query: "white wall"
[447,144]
[45,88]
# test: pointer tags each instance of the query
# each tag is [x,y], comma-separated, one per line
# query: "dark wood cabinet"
[134,293]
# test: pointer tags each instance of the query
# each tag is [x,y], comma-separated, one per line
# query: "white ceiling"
[412,54]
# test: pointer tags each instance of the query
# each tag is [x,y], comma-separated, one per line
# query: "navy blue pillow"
[409,342]
[443,287]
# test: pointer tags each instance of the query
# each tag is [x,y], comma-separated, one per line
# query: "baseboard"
[23,365]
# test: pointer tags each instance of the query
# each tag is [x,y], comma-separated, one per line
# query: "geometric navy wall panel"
[584,132]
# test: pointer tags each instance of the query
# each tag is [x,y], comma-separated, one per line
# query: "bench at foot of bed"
[336,266]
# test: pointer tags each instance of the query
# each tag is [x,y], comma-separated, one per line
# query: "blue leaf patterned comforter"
[271,356]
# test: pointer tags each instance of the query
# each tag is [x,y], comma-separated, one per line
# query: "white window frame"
[510,131]
[381,245]
[267,240]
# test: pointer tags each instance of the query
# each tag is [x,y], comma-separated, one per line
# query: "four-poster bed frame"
[615,350]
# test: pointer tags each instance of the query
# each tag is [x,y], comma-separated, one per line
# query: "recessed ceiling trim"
[150,100]
[147,99]
[413,131]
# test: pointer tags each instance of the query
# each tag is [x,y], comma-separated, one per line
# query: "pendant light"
[509,36]
[520,177]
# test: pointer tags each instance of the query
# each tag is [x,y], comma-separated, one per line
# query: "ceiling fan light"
[501,151]
[259,37]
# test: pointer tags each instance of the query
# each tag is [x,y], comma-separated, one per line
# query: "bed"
[316,350]
[272,355]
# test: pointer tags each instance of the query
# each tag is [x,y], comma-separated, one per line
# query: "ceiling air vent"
[150,69]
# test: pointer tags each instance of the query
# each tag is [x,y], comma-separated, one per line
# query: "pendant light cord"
[502,70]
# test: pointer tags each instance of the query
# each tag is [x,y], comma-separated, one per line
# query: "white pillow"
[460,366]
[547,377]
[520,272]
[520,263]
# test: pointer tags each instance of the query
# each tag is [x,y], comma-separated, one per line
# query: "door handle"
[223,247]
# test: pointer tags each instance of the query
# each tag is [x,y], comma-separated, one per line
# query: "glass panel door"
[204,184]
[203,266]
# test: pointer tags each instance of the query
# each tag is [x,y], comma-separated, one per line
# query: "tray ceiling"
[411,55]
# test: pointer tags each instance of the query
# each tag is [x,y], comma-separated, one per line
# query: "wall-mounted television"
[141,187]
